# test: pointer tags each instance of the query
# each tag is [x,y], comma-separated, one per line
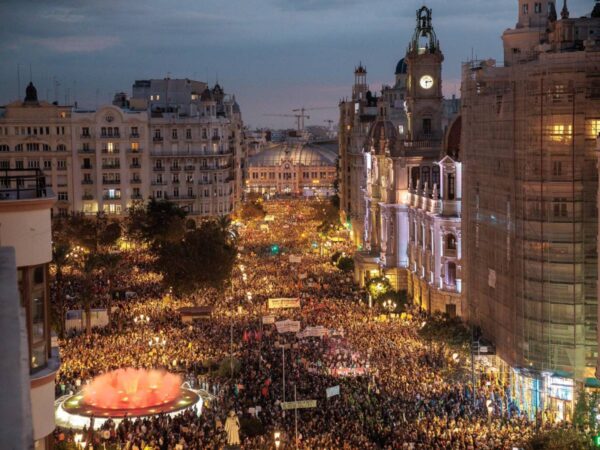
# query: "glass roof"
[306,154]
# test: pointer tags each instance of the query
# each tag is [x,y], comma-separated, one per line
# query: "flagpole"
[296,415]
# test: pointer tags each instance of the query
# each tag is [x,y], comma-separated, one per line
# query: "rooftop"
[302,153]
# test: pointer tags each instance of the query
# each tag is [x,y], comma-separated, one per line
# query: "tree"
[378,286]
[253,208]
[157,223]
[109,264]
[204,258]
[88,265]
[582,411]
[560,439]
[60,258]
[92,233]
[346,264]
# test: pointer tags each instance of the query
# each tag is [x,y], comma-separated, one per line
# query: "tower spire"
[564,14]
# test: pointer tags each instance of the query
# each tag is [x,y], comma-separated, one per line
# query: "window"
[176,192]
[61,164]
[136,192]
[451,242]
[451,274]
[64,196]
[61,148]
[537,7]
[33,164]
[85,132]
[4,148]
[188,133]
[557,168]
[19,164]
[4,164]
[526,8]
[451,192]
[174,133]
[134,132]
[47,164]
[427,126]
[592,128]
[560,207]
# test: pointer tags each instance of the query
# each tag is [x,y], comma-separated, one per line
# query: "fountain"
[126,393]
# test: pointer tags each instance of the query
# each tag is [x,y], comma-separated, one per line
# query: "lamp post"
[390,305]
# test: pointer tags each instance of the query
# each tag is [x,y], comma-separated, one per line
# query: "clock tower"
[424,85]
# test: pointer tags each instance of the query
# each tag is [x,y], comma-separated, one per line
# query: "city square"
[299,224]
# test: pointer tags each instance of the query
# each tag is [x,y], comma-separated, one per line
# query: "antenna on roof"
[19,80]
[30,74]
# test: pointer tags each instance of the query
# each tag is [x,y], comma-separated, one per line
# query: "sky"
[274,55]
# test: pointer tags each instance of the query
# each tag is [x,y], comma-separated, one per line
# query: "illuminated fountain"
[126,392]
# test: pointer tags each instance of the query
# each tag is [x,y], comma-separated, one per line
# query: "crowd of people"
[395,390]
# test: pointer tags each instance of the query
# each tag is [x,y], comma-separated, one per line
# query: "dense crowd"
[395,390]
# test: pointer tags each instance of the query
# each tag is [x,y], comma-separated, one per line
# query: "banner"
[268,320]
[347,371]
[333,391]
[276,303]
[318,331]
[288,326]
[295,259]
[303,276]
[300,404]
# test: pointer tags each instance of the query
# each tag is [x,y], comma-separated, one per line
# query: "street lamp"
[390,305]
[141,319]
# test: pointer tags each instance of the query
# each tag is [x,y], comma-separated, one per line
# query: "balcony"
[135,181]
[87,197]
[109,197]
[61,168]
[86,136]
[86,167]
[175,181]
[111,166]
[175,168]
[158,183]
[134,135]
[87,181]
[157,138]
[190,168]
[20,184]
[114,151]
[158,168]
[134,150]
[135,166]
[110,136]
[182,197]
[136,196]
[86,150]
[111,181]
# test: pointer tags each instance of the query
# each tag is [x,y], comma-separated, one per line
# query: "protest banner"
[295,259]
[278,303]
[300,404]
[268,320]
[318,331]
[288,326]
[332,391]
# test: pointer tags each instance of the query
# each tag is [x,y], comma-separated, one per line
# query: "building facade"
[300,169]
[530,186]
[173,139]
[407,210]
[25,225]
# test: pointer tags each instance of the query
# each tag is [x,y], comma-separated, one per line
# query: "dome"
[401,67]
[383,136]
[305,154]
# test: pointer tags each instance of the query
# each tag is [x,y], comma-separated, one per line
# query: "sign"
[333,391]
[295,259]
[300,404]
[318,331]
[302,276]
[288,326]
[492,278]
[276,303]
[268,320]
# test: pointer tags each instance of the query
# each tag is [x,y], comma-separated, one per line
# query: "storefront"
[559,392]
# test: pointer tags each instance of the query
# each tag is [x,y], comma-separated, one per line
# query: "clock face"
[426,81]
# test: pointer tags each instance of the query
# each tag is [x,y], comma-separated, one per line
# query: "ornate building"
[175,139]
[301,169]
[404,154]
[530,189]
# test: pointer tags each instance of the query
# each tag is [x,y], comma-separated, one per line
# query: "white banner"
[295,259]
[303,276]
[347,371]
[300,404]
[318,331]
[277,303]
[268,320]
[333,391]
[288,326]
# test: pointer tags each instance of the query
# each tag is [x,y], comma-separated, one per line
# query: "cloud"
[78,44]
[62,15]
[314,5]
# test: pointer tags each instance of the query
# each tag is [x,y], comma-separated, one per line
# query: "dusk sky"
[274,55]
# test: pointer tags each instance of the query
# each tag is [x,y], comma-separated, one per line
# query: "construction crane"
[329,122]
[299,118]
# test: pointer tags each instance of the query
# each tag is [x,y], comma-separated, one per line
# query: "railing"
[136,196]
[107,151]
[111,166]
[157,138]
[175,168]
[135,166]
[134,150]
[86,136]
[110,136]
[86,166]
[86,150]
[87,182]
[87,197]
[158,183]
[16,184]
[134,135]
[158,168]
[135,181]
[108,197]
[111,181]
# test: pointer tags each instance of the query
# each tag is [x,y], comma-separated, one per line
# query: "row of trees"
[189,256]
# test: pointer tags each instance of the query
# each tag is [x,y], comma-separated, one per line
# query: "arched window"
[425,176]
[61,148]
[435,176]
[415,174]
[19,148]
[451,242]
[4,148]
[451,274]
[45,147]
